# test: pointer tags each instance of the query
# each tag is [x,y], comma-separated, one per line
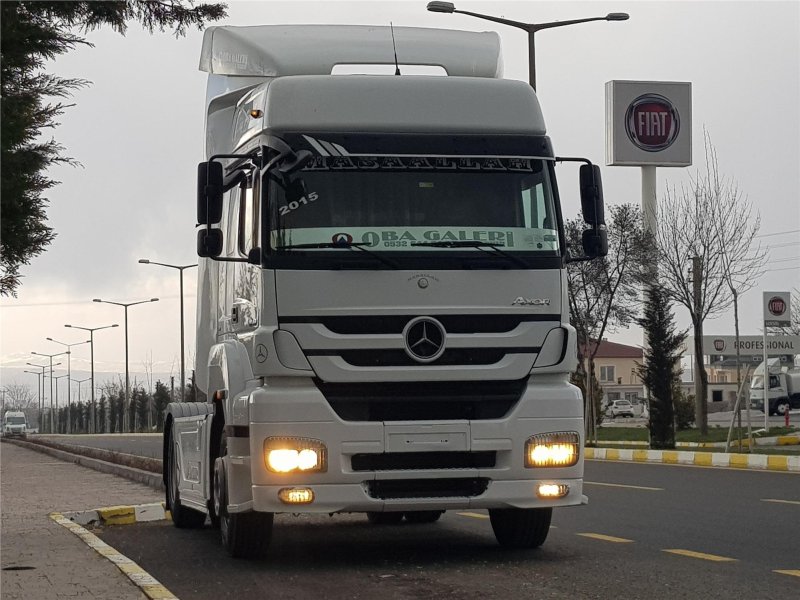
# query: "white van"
[15,424]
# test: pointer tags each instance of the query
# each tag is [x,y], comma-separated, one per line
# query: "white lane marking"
[621,485]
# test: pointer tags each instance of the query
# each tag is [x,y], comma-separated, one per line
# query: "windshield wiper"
[347,245]
[495,246]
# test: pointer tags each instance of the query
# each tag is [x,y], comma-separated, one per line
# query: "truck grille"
[423,401]
[462,487]
[376,324]
[399,461]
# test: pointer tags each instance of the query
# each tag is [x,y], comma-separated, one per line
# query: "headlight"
[557,449]
[288,454]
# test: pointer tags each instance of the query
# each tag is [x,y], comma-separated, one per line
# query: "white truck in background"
[784,388]
[382,315]
[15,424]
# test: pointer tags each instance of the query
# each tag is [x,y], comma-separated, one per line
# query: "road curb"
[153,480]
[149,585]
[761,462]
[119,515]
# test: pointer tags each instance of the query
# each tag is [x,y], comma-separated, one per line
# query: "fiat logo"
[652,123]
[777,306]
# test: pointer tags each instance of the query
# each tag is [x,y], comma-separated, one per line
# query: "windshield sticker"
[513,238]
[408,163]
[295,204]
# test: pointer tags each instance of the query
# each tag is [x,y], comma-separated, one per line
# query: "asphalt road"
[649,531]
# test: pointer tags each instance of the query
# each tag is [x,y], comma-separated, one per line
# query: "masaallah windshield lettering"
[375,238]
[419,163]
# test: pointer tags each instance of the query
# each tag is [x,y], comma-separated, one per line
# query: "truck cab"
[382,323]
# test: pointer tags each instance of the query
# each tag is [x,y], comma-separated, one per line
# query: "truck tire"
[420,517]
[182,517]
[384,518]
[521,527]
[244,535]
[782,407]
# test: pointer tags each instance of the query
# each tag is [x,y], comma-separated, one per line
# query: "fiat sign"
[652,123]
[776,309]
[648,123]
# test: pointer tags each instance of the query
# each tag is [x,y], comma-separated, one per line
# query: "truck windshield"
[758,382]
[15,420]
[420,204]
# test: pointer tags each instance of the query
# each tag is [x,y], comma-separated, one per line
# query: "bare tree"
[604,292]
[17,396]
[711,226]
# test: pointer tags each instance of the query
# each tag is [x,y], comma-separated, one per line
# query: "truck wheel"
[182,517]
[423,516]
[384,518]
[782,408]
[244,535]
[521,527]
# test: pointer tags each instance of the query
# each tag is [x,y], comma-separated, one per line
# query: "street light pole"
[68,415]
[125,404]
[530,28]
[39,384]
[180,268]
[79,382]
[69,374]
[50,356]
[91,331]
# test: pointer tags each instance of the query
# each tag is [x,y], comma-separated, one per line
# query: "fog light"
[288,454]
[557,449]
[296,496]
[552,490]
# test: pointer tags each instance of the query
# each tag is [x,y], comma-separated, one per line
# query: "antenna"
[394,47]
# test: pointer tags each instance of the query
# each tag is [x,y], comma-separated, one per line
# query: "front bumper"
[504,482]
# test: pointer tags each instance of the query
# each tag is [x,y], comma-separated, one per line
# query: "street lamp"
[68,415]
[41,393]
[180,268]
[39,384]
[69,372]
[531,28]
[125,305]
[50,356]
[79,382]
[91,331]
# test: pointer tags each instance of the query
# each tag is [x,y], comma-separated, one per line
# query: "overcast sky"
[138,132]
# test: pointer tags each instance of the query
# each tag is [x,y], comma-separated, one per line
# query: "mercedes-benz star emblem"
[425,339]
[261,353]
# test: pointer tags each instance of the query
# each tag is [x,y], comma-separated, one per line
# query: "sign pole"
[766,383]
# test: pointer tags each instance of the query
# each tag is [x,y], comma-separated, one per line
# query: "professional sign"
[648,123]
[777,309]
[777,345]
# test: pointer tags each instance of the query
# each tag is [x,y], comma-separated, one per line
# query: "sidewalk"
[41,559]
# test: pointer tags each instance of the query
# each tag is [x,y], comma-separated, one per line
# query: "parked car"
[620,408]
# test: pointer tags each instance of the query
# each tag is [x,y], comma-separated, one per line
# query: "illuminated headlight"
[557,449]
[290,454]
[552,490]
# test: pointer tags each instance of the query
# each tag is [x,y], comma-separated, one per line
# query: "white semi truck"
[382,315]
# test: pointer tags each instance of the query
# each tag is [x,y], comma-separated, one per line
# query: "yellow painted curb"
[588,452]
[640,455]
[117,515]
[703,459]
[778,463]
[669,457]
[739,461]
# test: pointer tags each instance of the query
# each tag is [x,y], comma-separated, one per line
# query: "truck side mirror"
[592,195]
[595,242]
[295,161]
[209,192]
[209,243]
